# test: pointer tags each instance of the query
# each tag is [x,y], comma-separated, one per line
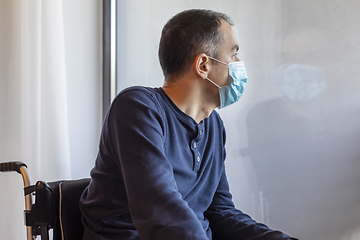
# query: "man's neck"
[189,97]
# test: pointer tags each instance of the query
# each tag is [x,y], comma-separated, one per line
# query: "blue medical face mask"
[230,94]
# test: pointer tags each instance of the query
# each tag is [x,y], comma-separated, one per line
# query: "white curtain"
[33,101]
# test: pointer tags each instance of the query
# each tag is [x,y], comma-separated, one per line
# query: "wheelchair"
[56,205]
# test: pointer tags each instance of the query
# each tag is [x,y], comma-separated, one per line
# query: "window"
[292,140]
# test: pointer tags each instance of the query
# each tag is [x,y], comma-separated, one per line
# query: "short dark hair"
[188,34]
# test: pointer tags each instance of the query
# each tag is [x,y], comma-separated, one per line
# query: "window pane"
[293,139]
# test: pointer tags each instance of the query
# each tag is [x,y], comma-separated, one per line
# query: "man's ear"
[201,65]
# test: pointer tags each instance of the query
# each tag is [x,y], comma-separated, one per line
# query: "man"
[160,169]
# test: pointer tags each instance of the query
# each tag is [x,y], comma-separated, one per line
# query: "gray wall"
[83,46]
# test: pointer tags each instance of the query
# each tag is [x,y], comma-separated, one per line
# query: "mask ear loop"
[218,61]
[213,82]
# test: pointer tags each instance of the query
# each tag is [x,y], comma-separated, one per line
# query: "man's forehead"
[236,31]
[229,37]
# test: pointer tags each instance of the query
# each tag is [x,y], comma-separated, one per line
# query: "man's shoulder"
[137,94]
[134,100]
[216,118]
[134,106]
[138,91]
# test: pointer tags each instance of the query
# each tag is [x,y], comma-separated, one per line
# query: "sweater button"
[198,159]
[194,144]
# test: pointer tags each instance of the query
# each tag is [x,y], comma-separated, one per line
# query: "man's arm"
[227,222]
[136,130]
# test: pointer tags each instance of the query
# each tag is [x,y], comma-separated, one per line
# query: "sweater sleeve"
[227,222]
[135,135]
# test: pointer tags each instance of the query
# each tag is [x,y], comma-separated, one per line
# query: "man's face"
[227,52]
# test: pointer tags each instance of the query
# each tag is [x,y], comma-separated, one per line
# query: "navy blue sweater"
[160,175]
